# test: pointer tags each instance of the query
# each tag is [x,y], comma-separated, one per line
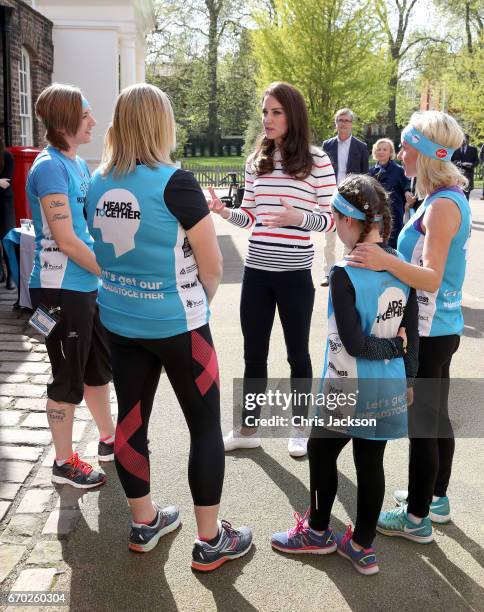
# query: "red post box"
[23,158]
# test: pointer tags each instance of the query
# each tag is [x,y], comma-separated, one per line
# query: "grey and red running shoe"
[143,538]
[232,544]
[77,473]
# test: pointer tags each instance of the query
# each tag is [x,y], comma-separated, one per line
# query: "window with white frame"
[25,99]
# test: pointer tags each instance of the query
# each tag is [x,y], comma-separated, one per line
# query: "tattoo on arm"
[55,415]
[59,217]
[56,204]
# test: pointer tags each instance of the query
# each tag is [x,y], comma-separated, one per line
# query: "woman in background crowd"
[392,177]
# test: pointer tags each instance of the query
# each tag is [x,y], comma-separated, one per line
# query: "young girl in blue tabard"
[370,317]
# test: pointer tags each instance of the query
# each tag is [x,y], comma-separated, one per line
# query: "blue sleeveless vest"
[440,313]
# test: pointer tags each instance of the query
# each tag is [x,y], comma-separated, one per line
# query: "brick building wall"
[33,31]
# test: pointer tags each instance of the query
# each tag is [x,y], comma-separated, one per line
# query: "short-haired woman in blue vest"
[434,243]
[65,279]
[370,317]
[161,266]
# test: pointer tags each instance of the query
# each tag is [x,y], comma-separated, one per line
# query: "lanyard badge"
[44,319]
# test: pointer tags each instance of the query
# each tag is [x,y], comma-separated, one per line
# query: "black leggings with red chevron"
[190,363]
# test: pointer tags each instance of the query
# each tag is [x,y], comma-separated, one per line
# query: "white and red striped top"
[286,248]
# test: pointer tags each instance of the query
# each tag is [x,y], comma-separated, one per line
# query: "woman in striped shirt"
[288,186]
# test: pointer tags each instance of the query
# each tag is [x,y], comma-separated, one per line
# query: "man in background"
[466,158]
[348,156]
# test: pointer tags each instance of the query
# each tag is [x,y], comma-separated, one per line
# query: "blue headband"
[85,103]
[346,208]
[425,146]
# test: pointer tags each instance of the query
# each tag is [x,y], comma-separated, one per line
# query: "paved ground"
[52,539]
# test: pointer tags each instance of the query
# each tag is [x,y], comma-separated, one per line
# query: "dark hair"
[60,108]
[297,160]
[367,195]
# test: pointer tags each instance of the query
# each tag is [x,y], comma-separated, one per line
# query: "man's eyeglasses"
[344,120]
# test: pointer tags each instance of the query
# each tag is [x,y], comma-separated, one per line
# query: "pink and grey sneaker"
[364,560]
[303,539]
[232,544]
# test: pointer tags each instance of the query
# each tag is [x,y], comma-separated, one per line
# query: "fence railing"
[215,176]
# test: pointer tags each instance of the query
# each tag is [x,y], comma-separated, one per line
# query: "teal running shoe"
[439,509]
[397,523]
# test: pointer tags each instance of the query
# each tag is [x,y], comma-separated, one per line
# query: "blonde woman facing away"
[161,265]
[434,243]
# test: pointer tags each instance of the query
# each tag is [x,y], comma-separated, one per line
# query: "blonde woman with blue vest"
[434,244]
[161,265]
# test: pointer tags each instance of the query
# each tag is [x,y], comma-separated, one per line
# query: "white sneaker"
[298,444]
[234,440]
[400,497]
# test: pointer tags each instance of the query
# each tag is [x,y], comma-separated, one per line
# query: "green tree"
[254,128]
[395,21]
[469,13]
[332,50]
[189,32]
[184,80]
[465,88]
[453,70]
[237,90]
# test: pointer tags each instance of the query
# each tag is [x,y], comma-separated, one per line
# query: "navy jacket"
[393,179]
[357,156]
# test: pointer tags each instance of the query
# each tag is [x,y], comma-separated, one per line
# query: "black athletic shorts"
[77,347]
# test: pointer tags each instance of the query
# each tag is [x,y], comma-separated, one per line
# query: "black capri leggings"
[293,294]
[432,442]
[191,365]
[323,455]
[77,347]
